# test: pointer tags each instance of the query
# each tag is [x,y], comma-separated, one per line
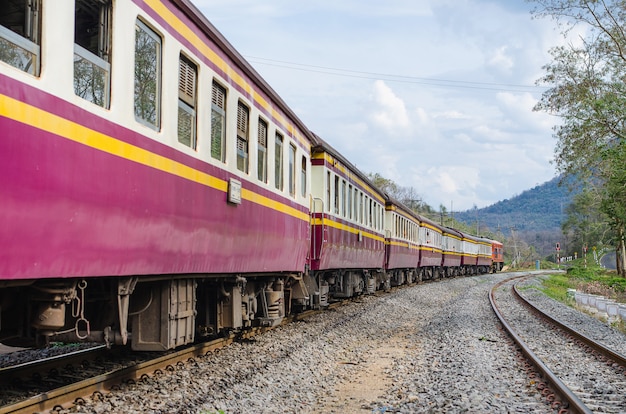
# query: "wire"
[396,78]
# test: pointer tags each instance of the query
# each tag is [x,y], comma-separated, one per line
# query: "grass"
[587,279]
[555,286]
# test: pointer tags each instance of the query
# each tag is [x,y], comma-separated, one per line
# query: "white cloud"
[450,123]
[500,59]
[389,112]
[451,115]
[422,116]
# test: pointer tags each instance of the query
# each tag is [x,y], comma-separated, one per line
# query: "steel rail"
[600,348]
[68,395]
[574,403]
[27,368]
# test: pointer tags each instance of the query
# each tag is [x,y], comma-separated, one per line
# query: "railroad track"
[60,382]
[574,372]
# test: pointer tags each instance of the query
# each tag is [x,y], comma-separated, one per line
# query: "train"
[156,191]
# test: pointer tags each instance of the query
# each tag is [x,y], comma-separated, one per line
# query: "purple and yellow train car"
[485,255]
[141,155]
[431,254]
[476,255]
[451,246]
[347,231]
[402,247]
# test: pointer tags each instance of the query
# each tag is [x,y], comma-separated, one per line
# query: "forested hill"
[539,209]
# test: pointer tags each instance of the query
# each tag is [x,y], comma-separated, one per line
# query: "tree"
[384,184]
[586,224]
[588,92]
[613,204]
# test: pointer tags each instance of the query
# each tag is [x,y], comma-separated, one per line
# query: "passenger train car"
[347,230]
[156,190]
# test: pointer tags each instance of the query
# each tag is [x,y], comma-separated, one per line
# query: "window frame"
[150,32]
[187,103]
[88,60]
[262,133]
[28,42]
[292,169]
[243,137]
[279,169]
[303,176]
[219,95]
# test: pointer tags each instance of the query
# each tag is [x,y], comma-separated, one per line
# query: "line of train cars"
[155,189]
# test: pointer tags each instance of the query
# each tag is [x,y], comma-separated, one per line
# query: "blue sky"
[433,94]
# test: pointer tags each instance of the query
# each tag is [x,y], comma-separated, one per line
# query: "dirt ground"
[370,381]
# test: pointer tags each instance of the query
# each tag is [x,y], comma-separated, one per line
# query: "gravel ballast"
[433,347]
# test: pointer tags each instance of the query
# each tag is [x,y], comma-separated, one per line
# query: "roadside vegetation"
[588,278]
[586,90]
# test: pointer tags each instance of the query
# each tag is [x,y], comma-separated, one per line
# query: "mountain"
[538,210]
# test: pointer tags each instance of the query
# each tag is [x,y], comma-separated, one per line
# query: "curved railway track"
[575,373]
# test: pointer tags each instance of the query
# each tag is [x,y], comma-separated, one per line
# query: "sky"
[437,95]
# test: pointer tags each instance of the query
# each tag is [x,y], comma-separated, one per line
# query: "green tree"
[384,184]
[613,203]
[406,195]
[588,92]
[586,224]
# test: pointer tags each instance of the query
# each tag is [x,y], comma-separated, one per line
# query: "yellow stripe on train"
[45,121]
[340,226]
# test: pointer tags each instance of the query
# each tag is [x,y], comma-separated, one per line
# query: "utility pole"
[516,253]
[476,211]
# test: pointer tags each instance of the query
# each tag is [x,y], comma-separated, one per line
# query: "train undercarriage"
[157,313]
[149,313]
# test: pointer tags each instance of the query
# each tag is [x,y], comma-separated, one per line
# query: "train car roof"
[492,241]
[431,223]
[201,21]
[477,239]
[394,202]
[452,231]
[320,145]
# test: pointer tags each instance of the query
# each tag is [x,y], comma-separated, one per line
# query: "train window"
[262,151]
[92,50]
[218,121]
[20,25]
[343,198]
[354,203]
[336,194]
[372,214]
[397,226]
[303,177]
[360,207]
[375,215]
[147,76]
[278,162]
[350,201]
[328,190]
[187,80]
[242,137]
[292,170]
